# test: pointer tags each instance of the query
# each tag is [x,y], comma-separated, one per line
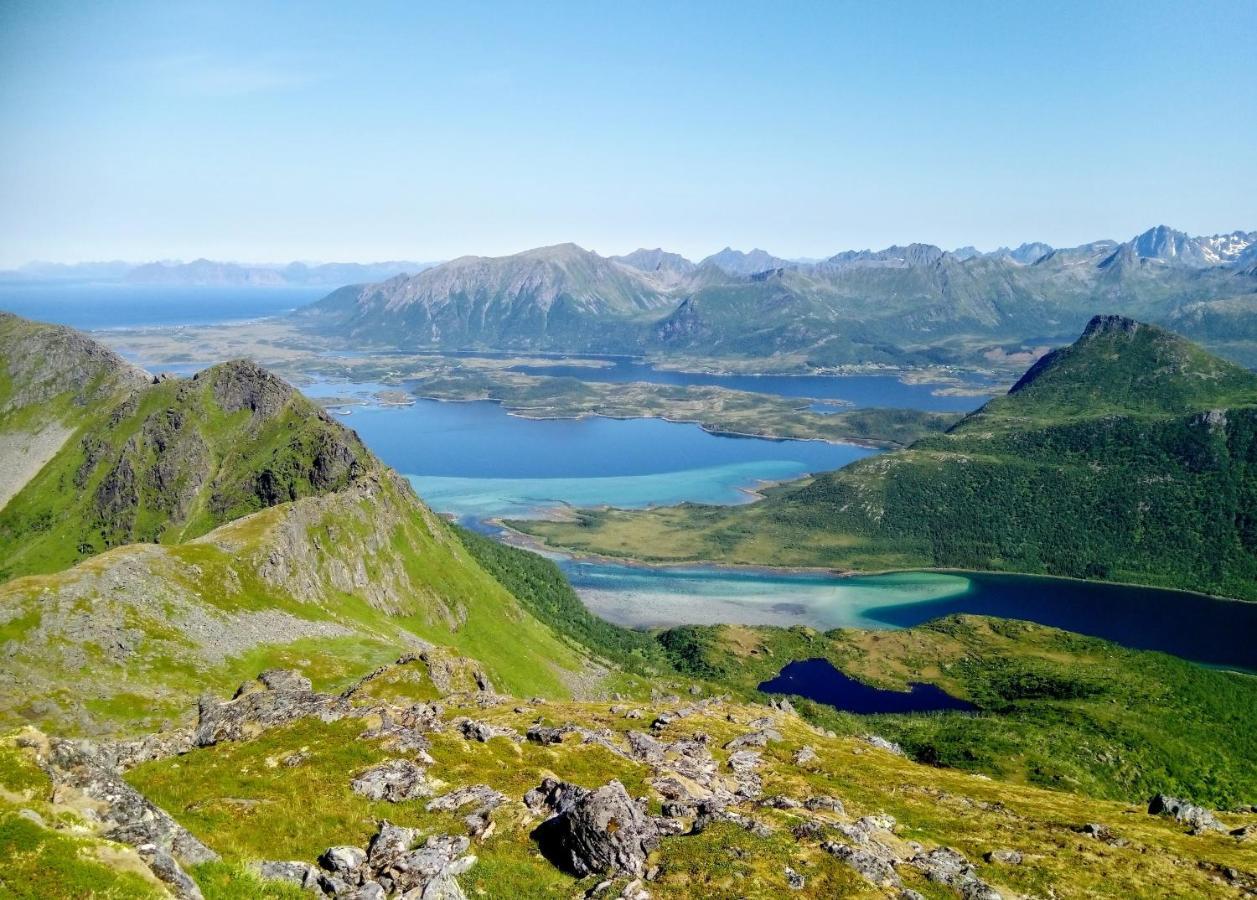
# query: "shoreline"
[530,542]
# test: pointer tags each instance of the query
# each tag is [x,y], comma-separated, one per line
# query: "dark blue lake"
[817,679]
[1193,626]
[94,306]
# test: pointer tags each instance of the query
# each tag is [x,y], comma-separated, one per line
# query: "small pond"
[819,680]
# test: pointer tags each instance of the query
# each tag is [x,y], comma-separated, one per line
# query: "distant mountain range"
[904,304]
[211,273]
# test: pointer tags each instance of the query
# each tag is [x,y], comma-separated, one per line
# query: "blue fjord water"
[90,306]
[858,390]
[1193,626]
[474,461]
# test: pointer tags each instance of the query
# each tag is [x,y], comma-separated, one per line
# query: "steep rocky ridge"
[170,460]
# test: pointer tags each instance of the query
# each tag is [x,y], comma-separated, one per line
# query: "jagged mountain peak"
[656,260]
[737,262]
[894,256]
[1169,245]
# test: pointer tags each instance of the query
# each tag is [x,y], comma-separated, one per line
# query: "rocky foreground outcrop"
[708,770]
[394,864]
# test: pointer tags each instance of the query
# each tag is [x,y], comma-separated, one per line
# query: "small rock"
[805,756]
[794,880]
[484,732]
[299,873]
[829,804]
[881,743]
[759,738]
[394,781]
[1004,857]
[343,861]
[1196,818]
[544,734]
[31,816]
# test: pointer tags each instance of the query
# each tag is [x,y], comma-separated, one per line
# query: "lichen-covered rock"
[946,866]
[871,866]
[343,861]
[299,873]
[595,832]
[882,744]
[1004,857]
[760,738]
[1196,818]
[394,781]
[794,880]
[283,697]
[391,866]
[484,731]
[805,756]
[829,804]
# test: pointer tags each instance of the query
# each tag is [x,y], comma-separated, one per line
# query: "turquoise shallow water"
[1193,626]
[640,597]
[473,499]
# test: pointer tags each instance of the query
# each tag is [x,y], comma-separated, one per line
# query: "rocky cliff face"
[58,368]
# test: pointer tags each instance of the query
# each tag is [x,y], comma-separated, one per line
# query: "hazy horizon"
[145,131]
[264,263]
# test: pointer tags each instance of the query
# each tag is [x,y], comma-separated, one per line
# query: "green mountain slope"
[1131,455]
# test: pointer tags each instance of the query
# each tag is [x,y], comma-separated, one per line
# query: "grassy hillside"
[1128,456]
[1057,710]
[331,585]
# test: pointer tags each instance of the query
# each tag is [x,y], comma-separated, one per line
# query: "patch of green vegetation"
[1056,709]
[42,864]
[227,881]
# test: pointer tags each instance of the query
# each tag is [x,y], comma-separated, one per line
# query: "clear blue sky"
[264,131]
